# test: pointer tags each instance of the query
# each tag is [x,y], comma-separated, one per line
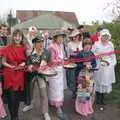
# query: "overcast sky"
[86,10]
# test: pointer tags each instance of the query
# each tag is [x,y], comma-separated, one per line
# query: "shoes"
[61,115]
[16,118]
[27,108]
[101,108]
[73,96]
[47,116]
[5,118]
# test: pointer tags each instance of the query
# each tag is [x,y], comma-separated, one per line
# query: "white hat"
[74,33]
[32,29]
[105,32]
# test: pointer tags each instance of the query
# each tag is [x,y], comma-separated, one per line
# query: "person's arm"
[29,64]
[93,62]
[5,64]
[113,60]
[80,65]
[0,88]
[54,57]
[68,49]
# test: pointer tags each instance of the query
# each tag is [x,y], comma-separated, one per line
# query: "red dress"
[94,38]
[14,55]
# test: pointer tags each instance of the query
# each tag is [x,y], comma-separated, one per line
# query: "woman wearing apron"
[105,76]
[56,83]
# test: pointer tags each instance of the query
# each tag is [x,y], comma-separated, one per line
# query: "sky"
[86,10]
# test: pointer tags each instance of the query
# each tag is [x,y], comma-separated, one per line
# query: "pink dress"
[56,83]
[84,108]
[83,103]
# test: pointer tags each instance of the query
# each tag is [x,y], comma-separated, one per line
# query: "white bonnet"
[105,32]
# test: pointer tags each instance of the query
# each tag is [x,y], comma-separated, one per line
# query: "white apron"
[56,83]
[104,77]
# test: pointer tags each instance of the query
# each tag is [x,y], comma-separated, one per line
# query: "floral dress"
[85,90]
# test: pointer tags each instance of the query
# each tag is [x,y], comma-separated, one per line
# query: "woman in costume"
[74,46]
[39,59]
[105,76]
[56,83]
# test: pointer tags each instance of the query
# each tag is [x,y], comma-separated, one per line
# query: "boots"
[97,98]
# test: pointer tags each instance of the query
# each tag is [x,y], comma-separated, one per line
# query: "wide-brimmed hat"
[105,32]
[58,33]
[38,38]
[74,33]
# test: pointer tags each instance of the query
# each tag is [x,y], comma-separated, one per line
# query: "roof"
[45,21]
[25,15]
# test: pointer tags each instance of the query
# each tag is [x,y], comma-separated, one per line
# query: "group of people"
[24,58]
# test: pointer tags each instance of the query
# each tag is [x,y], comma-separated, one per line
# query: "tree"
[11,20]
[1,21]
[114,7]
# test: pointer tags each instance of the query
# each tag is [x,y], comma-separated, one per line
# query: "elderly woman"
[14,59]
[56,83]
[74,46]
[105,76]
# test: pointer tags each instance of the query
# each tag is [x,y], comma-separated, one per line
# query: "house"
[46,21]
[25,15]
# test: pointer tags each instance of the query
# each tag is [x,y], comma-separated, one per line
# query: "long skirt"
[83,103]
[56,88]
[71,79]
[65,80]
[104,78]
[28,89]
[84,108]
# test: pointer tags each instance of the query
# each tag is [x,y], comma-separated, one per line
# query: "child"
[83,104]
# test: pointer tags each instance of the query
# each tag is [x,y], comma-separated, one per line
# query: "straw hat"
[58,33]
[75,33]
[38,38]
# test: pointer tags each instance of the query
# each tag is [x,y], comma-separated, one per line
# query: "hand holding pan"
[47,71]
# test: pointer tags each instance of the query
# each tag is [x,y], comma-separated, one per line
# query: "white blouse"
[73,46]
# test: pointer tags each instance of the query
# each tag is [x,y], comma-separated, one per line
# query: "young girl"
[83,104]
